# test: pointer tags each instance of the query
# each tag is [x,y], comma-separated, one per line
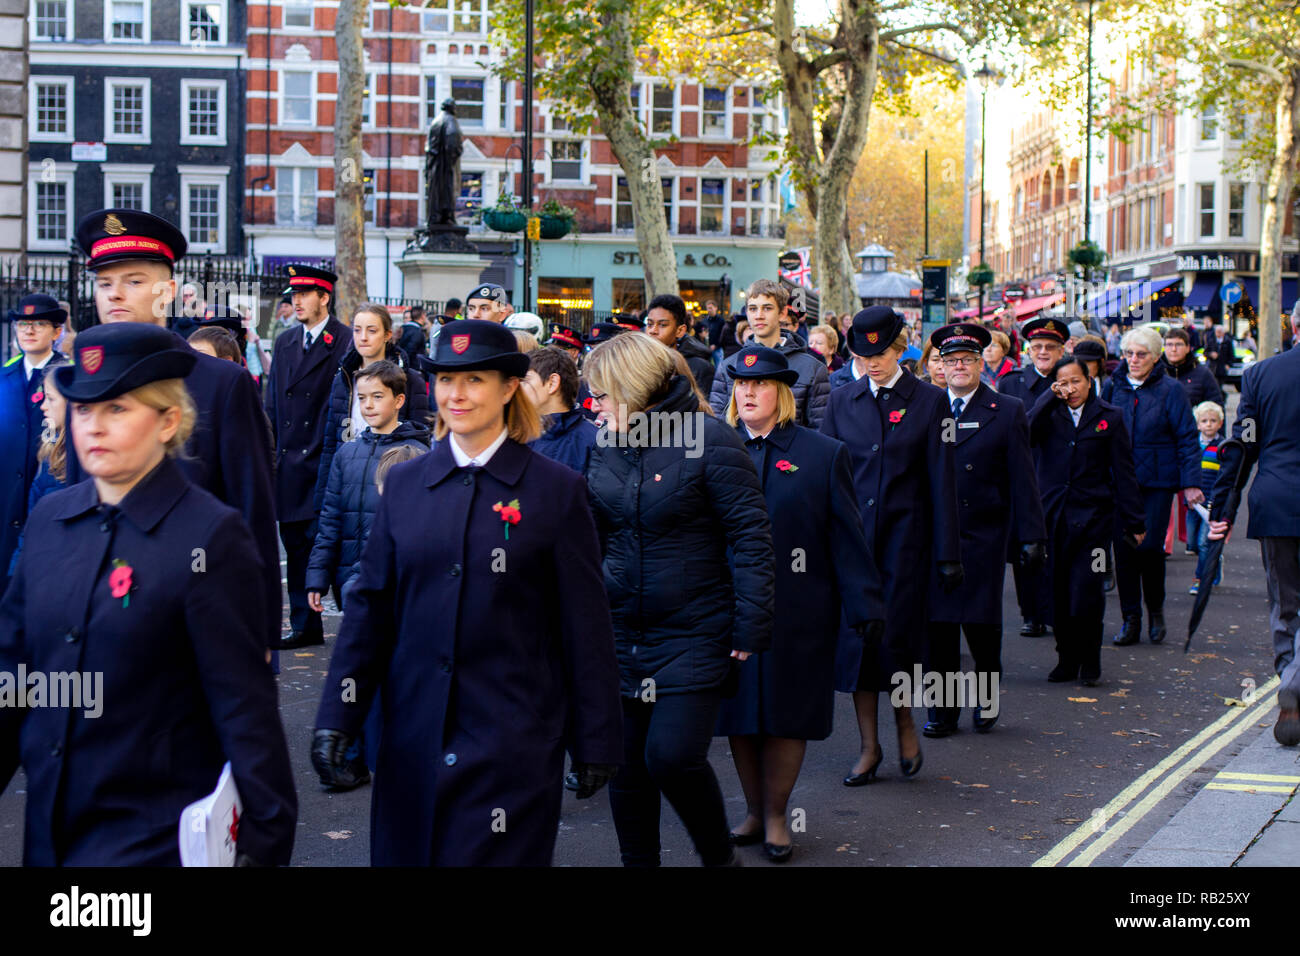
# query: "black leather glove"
[328,750]
[1033,555]
[950,576]
[591,777]
[871,631]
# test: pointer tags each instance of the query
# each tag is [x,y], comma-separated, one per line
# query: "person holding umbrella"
[1266,428]
[787,695]
[1089,488]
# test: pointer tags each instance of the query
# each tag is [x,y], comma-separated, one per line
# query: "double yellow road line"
[1106,827]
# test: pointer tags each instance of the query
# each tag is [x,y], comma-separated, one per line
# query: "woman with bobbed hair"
[786,696]
[903,474]
[154,616]
[688,566]
[1167,456]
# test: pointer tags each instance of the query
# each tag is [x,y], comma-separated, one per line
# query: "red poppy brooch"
[896,416]
[329,339]
[38,398]
[786,466]
[510,514]
[119,581]
[1102,426]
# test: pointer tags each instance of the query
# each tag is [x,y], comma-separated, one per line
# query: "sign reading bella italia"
[1204,263]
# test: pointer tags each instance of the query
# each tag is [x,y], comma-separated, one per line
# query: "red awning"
[989,309]
[1028,307]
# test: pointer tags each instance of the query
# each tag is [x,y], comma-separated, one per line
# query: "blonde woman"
[157,619]
[487,669]
[786,696]
[688,564]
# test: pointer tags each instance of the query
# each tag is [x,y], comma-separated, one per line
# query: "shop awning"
[1251,285]
[1112,303]
[1028,307]
[1205,292]
[989,309]
[1155,290]
[1290,292]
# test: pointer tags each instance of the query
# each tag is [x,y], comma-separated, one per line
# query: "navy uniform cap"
[603,332]
[874,330]
[759,361]
[1043,328]
[38,307]
[564,336]
[488,290]
[111,360]
[1089,350]
[302,278]
[628,323]
[224,317]
[960,337]
[478,344]
[107,236]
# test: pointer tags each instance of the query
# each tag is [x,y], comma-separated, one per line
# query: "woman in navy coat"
[893,426]
[786,697]
[1167,456]
[480,612]
[1086,478]
[153,598]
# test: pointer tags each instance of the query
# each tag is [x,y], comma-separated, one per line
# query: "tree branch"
[827,60]
[759,28]
[925,51]
[1272,72]
[923,28]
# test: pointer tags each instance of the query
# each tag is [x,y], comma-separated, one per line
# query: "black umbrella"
[1232,458]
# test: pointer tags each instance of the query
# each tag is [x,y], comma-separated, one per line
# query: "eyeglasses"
[32,326]
[960,360]
[1136,353]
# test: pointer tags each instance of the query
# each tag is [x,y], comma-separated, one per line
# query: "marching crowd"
[617,545]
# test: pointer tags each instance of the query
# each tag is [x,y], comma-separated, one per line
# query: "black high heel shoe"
[911,767]
[864,778]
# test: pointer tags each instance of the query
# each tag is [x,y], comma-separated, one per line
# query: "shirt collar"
[483,457]
[875,389]
[28,367]
[144,505]
[312,330]
[965,399]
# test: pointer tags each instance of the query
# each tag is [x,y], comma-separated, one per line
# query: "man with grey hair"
[1266,426]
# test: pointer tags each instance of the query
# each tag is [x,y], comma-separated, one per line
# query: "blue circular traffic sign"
[1230,292]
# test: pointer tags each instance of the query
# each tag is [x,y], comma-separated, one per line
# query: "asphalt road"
[1058,752]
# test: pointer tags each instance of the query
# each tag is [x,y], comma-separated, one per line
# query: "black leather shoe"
[864,778]
[1032,629]
[299,639]
[745,839]
[1157,630]
[939,728]
[1063,672]
[911,767]
[1130,633]
[1089,677]
[776,853]
[983,724]
[571,781]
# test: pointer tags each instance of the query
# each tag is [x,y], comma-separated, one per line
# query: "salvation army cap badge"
[873,337]
[750,360]
[29,310]
[293,271]
[113,226]
[459,343]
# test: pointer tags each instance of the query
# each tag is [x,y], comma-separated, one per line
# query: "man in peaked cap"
[1046,338]
[999,508]
[562,336]
[488,302]
[303,366]
[133,254]
[36,322]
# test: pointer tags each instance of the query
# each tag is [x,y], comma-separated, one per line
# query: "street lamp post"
[985,75]
[1087,138]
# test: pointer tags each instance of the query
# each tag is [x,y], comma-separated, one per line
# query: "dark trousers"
[666,745]
[297,538]
[985,643]
[1078,643]
[1033,594]
[1140,572]
[1282,573]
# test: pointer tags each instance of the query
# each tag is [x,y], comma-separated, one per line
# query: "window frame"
[110,84]
[218,176]
[284,17]
[297,195]
[145,24]
[69,23]
[1202,210]
[1207,118]
[65,175]
[69,83]
[724,208]
[481,122]
[282,109]
[223,24]
[674,124]
[725,131]
[670,204]
[187,138]
[127,174]
[581,160]
[1239,212]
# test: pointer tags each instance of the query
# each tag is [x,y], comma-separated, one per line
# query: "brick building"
[721,199]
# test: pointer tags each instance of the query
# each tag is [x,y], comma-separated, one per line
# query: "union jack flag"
[801,274]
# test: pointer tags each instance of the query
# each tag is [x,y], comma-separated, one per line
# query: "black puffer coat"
[667,522]
[338,419]
[351,498]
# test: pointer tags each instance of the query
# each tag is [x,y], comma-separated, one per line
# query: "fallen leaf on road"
[1234,702]
[1024,838]
[298,667]
[1148,733]
[1032,803]
[1053,733]
[981,786]
[1122,692]
[1083,700]
[338,834]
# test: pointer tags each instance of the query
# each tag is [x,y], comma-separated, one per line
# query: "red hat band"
[310,281]
[116,244]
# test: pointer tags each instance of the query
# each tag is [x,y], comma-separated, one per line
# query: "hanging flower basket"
[979,275]
[1087,255]
[504,221]
[555,227]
